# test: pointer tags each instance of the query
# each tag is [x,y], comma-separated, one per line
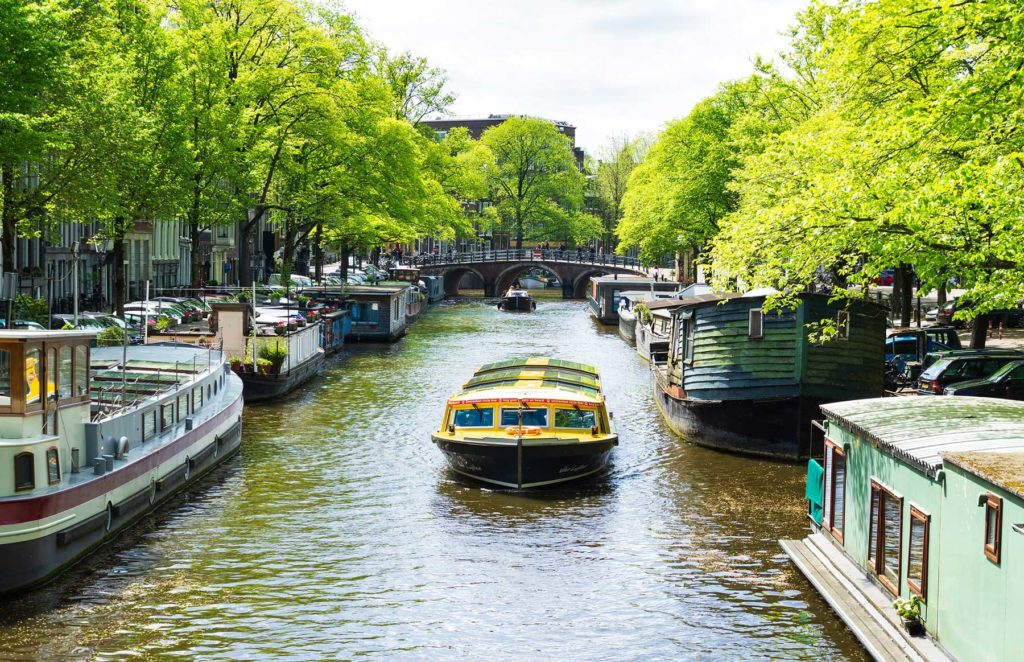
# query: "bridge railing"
[528,255]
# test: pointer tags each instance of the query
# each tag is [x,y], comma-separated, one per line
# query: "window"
[993,527]
[148,423]
[52,466]
[917,553]
[755,327]
[886,528]
[474,418]
[843,324]
[209,390]
[366,313]
[533,417]
[575,418]
[33,372]
[24,472]
[166,416]
[81,371]
[51,374]
[835,490]
[689,340]
[5,378]
[64,384]
[197,399]
[183,405]
[397,306]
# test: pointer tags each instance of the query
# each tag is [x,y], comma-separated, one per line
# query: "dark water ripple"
[338,533]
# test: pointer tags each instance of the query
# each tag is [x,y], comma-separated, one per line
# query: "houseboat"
[652,334]
[92,439]
[433,287]
[528,423]
[605,292]
[743,379]
[517,300]
[335,325]
[378,312]
[920,500]
[273,354]
[628,302]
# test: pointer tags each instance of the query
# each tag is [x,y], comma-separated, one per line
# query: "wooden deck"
[858,602]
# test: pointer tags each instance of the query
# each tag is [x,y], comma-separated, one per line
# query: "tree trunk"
[119,280]
[979,331]
[344,262]
[906,295]
[9,222]
[318,253]
[942,295]
[196,259]
[245,276]
[896,298]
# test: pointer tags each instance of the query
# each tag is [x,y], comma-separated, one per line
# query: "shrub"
[162,323]
[112,336]
[31,309]
[275,354]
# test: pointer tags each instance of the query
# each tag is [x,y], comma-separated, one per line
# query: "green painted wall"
[982,602]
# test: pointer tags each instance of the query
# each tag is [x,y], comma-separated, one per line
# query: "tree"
[534,179]
[617,161]
[417,89]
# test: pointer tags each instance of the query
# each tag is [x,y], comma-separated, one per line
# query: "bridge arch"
[454,275]
[508,275]
[579,285]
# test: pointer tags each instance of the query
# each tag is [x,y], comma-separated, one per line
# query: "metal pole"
[74,271]
[145,317]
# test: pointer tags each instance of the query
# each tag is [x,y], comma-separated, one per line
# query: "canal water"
[338,533]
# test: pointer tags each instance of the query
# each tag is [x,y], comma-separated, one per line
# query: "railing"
[528,255]
[300,345]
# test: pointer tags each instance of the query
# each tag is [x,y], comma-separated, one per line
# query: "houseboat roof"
[1003,469]
[537,362]
[632,280]
[921,430]
[661,304]
[370,290]
[28,335]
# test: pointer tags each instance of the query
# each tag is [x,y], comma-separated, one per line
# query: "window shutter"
[756,324]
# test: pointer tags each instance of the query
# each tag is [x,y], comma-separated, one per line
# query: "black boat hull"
[777,428]
[259,388]
[517,304]
[536,464]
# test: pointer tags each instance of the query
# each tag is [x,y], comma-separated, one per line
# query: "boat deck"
[862,605]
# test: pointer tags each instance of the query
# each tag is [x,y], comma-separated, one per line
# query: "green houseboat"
[743,379]
[920,499]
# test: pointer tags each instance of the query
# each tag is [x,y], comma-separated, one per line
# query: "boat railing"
[300,344]
[156,385]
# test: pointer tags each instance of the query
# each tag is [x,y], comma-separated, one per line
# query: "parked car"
[911,345]
[61,321]
[296,281]
[1008,317]
[1006,382]
[961,366]
[886,277]
[197,309]
[24,324]
[159,308]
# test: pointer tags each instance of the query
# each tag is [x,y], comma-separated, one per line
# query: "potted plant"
[162,323]
[303,301]
[263,365]
[909,609]
[276,354]
[281,328]
[236,362]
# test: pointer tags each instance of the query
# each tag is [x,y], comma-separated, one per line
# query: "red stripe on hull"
[30,509]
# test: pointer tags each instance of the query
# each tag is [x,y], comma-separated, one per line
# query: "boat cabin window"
[33,374]
[755,328]
[531,417]
[365,313]
[917,553]
[5,378]
[166,416]
[575,418]
[24,472]
[53,466]
[835,489]
[148,423]
[183,406]
[843,324]
[51,374]
[993,526]
[885,535]
[81,371]
[197,399]
[64,381]
[474,418]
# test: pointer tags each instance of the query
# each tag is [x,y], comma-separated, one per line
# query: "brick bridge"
[499,269]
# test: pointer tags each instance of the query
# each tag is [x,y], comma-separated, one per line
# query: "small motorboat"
[528,423]
[517,300]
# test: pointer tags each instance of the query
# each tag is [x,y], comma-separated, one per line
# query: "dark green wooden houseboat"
[742,379]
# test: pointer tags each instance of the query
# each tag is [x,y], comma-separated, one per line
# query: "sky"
[609,67]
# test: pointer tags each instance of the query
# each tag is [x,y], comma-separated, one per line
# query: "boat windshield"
[532,417]
[575,418]
[474,418]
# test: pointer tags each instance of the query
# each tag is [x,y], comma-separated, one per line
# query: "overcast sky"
[607,66]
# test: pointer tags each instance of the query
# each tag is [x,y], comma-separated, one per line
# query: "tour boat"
[517,299]
[93,439]
[528,423]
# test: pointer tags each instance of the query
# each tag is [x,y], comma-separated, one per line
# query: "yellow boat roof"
[537,373]
[526,393]
[537,362]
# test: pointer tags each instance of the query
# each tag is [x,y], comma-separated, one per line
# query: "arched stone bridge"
[499,269]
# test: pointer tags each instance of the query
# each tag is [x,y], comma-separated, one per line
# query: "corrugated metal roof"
[918,430]
[1003,469]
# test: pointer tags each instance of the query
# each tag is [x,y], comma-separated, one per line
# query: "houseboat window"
[993,525]
[5,378]
[209,390]
[755,326]
[81,371]
[886,532]
[397,304]
[166,416]
[24,472]
[532,417]
[182,406]
[366,313]
[835,490]
[51,374]
[575,418]
[917,554]
[33,374]
[689,339]
[64,384]
[197,398]
[843,324]
[52,466]
[474,418]
[148,423]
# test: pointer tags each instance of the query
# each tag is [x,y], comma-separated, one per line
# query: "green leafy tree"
[534,181]
[616,163]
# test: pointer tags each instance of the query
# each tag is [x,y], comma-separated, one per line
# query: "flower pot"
[914,627]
